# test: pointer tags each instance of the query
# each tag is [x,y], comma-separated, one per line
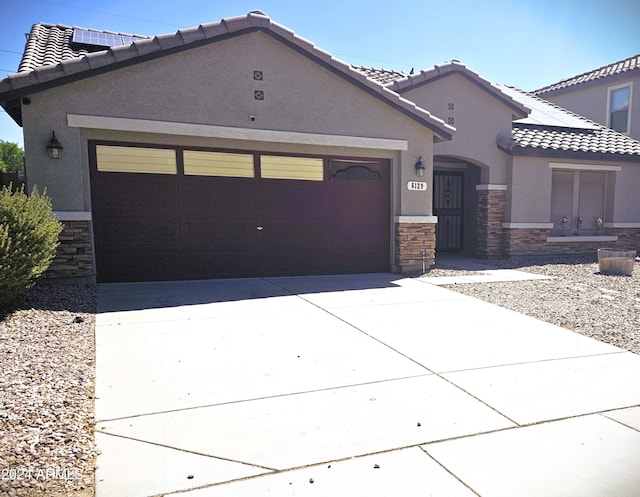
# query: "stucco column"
[492,201]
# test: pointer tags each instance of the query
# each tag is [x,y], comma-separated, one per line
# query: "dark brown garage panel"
[232,214]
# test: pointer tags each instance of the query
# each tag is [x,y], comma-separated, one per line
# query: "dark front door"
[448,206]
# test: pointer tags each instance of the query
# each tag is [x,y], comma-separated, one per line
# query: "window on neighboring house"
[619,107]
[578,201]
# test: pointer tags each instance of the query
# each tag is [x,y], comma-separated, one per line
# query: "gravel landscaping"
[578,298]
[47,358]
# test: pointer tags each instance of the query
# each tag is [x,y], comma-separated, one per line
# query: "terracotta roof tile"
[124,52]
[169,41]
[191,35]
[622,66]
[50,55]
[50,44]
[382,76]
[438,71]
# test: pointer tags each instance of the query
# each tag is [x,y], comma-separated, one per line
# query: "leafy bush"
[28,240]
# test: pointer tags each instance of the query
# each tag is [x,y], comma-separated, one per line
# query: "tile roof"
[412,81]
[50,60]
[382,76]
[546,113]
[577,136]
[49,44]
[622,66]
[540,128]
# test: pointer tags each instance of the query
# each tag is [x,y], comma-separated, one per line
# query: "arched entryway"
[455,204]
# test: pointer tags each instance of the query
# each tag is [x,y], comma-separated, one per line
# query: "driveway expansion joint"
[257,403]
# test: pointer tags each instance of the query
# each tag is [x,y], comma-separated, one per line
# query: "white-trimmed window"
[579,198]
[619,108]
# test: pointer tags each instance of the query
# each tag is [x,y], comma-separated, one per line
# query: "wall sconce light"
[54,147]
[420,167]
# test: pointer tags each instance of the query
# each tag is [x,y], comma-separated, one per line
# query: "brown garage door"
[166,213]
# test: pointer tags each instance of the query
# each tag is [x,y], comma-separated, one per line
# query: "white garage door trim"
[228,132]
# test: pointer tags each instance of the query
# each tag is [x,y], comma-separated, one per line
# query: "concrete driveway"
[365,385]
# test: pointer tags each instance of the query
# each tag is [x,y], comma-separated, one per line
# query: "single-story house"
[238,148]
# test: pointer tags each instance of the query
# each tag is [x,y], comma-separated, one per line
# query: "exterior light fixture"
[420,167]
[54,147]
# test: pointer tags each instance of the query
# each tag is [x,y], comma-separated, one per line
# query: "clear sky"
[525,43]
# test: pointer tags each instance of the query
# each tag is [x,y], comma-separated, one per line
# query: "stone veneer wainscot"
[74,256]
[413,234]
[492,202]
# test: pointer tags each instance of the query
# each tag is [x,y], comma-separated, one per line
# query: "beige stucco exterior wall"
[591,101]
[529,189]
[626,208]
[478,118]
[214,85]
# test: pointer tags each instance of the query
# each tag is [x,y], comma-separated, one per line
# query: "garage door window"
[198,163]
[297,168]
[136,160]
[354,170]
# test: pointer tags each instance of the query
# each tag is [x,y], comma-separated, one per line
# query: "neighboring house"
[240,149]
[609,95]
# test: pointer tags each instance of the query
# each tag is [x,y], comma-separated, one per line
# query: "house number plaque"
[419,186]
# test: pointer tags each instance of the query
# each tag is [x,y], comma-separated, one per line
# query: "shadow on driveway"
[115,297]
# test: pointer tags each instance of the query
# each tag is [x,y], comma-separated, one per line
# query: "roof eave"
[14,109]
[19,85]
[607,79]
[43,78]
[517,150]
[441,130]
[447,69]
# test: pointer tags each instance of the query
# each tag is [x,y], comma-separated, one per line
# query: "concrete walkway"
[476,271]
[365,385]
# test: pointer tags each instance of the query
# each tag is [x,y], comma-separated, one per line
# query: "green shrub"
[28,240]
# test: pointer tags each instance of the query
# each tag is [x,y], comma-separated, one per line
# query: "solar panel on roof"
[128,40]
[546,114]
[102,39]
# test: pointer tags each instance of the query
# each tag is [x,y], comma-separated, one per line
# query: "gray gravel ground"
[47,359]
[579,298]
